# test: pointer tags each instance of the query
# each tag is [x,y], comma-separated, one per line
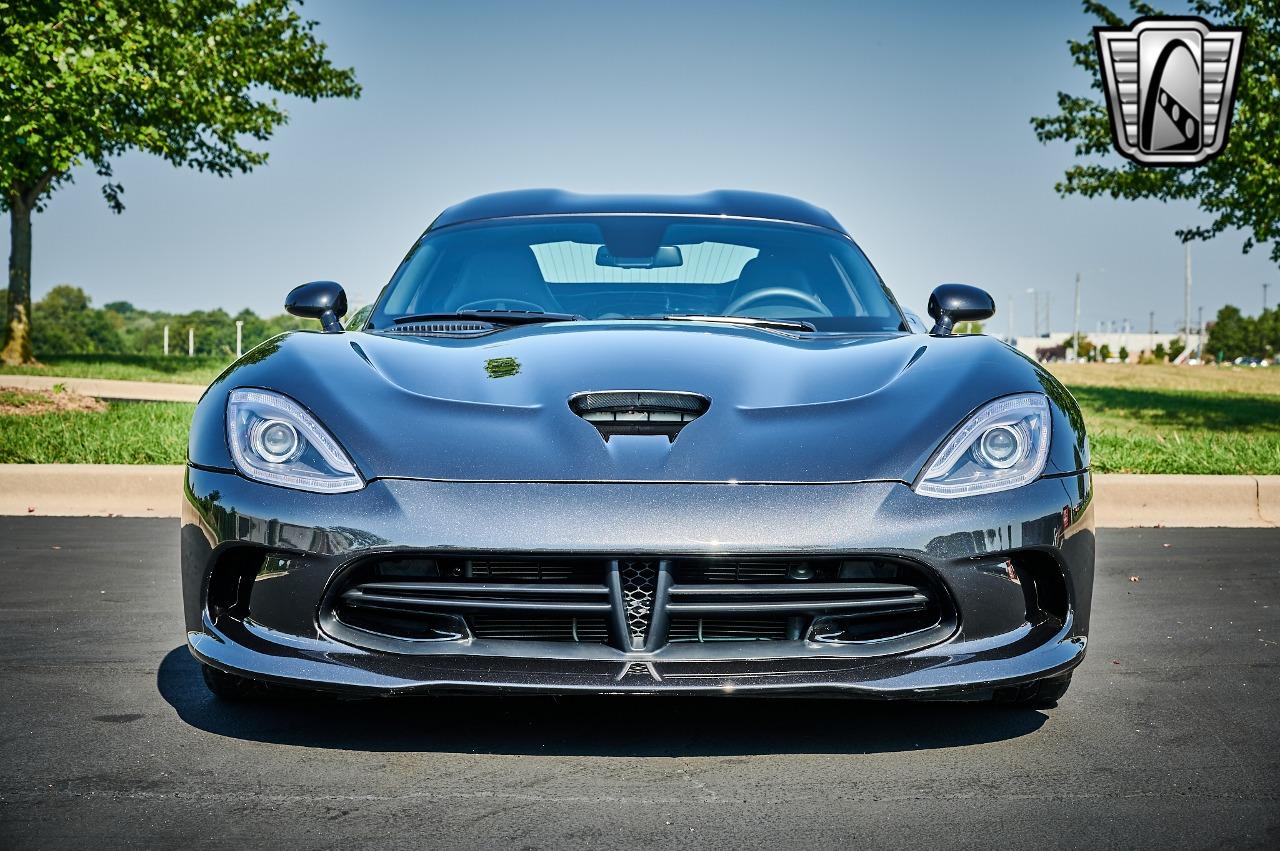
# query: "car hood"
[783,408]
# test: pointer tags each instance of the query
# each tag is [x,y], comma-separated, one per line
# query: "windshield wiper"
[753,321]
[499,317]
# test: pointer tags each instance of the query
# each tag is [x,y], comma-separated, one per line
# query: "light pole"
[1036,298]
[1075,324]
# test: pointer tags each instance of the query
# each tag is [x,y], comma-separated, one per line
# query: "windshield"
[643,266]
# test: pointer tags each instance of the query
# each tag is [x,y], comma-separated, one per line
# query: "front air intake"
[639,412]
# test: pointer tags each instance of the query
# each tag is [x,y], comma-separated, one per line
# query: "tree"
[187,80]
[64,323]
[1080,343]
[967,328]
[1104,352]
[1176,348]
[1124,355]
[1160,353]
[1241,187]
[1230,333]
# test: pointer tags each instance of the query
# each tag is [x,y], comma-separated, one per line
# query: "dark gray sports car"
[638,444]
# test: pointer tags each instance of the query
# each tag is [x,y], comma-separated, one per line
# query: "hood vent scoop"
[652,412]
[444,328]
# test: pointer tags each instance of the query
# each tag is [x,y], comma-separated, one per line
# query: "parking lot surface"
[1167,739]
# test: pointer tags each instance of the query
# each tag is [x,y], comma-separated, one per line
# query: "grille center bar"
[639,587]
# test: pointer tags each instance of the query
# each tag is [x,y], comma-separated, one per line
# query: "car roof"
[557,202]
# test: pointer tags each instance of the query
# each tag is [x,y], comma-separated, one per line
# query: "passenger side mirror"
[323,300]
[952,303]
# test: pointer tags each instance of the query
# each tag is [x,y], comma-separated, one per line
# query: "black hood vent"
[444,328]
[656,412]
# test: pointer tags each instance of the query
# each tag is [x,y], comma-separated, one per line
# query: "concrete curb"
[1126,501]
[109,388]
[91,490]
[1122,501]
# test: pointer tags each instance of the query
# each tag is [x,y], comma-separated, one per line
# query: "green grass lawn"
[1139,421]
[125,433]
[177,368]
[1138,430]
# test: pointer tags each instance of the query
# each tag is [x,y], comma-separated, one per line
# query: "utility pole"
[1075,324]
[166,341]
[1186,328]
[1151,331]
[191,342]
[1036,299]
[239,338]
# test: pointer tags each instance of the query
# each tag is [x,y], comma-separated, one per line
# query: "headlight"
[1003,446]
[273,440]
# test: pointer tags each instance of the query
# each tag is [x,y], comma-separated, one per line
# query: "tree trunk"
[17,326]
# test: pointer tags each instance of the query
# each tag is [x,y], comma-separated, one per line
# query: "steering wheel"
[501,304]
[776,292]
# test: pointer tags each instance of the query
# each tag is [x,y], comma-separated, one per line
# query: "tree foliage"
[186,80]
[1234,335]
[67,323]
[1238,189]
[191,81]
[1082,345]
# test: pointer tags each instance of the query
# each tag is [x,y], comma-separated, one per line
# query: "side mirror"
[323,300]
[952,303]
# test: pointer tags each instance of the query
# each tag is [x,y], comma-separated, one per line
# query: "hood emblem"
[642,412]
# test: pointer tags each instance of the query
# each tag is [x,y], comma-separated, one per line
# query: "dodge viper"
[640,444]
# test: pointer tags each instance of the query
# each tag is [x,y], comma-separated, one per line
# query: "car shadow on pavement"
[597,725]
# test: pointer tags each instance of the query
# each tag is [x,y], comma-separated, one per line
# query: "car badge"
[1170,85]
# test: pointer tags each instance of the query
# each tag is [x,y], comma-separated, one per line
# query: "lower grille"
[637,604]
[831,601]
[421,599]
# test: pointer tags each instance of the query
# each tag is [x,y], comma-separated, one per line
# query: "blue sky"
[907,120]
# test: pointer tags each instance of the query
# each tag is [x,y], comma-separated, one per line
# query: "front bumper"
[965,542]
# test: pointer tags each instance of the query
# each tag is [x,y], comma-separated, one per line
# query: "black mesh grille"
[505,570]
[637,400]
[588,629]
[741,628]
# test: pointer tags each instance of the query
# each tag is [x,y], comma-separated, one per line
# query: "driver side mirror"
[323,300]
[952,303]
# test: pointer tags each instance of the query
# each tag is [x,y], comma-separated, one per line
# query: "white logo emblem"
[1170,85]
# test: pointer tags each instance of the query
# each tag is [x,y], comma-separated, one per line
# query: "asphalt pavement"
[108,739]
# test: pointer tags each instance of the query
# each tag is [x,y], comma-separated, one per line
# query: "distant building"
[1053,346]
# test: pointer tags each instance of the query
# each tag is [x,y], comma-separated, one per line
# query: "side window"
[358,319]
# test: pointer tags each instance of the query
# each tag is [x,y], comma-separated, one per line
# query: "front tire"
[230,687]
[1040,694]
